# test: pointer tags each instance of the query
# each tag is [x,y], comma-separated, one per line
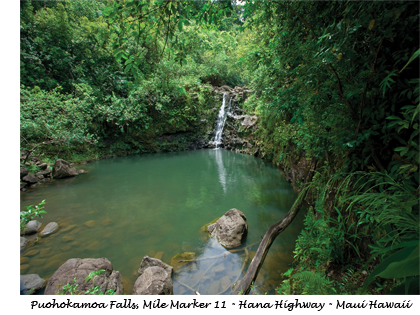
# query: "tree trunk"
[251,274]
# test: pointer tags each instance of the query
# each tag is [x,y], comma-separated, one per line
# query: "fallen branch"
[208,268]
[270,236]
[239,274]
[220,255]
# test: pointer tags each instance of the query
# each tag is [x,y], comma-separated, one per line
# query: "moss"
[204,227]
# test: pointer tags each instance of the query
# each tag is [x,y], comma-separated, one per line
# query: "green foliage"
[319,243]
[71,288]
[32,213]
[306,282]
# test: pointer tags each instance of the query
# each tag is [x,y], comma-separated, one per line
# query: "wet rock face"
[154,281]
[230,229]
[63,169]
[80,269]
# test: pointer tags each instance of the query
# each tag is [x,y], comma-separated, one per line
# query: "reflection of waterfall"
[221,119]
[221,169]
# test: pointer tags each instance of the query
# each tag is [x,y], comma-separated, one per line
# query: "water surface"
[155,205]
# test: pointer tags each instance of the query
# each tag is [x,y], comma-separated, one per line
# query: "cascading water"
[221,119]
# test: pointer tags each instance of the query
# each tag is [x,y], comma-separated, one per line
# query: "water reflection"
[220,168]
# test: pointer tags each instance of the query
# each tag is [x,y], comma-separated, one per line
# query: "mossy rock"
[204,227]
[176,261]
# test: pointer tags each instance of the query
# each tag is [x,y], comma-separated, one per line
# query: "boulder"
[230,229]
[80,269]
[23,242]
[32,281]
[148,262]
[44,173]
[23,172]
[43,166]
[30,178]
[154,281]
[49,228]
[63,169]
[32,227]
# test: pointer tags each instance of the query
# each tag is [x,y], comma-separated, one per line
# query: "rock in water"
[23,242]
[30,178]
[49,228]
[178,260]
[23,172]
[32,281]
[148,262]
[154,281]
[80,269]
[31,227]
[230,228]
[63,169]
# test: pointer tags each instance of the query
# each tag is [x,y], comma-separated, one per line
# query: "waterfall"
[221,119]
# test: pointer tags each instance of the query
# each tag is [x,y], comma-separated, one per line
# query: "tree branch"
[269,237]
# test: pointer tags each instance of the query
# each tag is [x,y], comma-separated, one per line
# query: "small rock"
[23,242]
[219,269]
[106,222]
[68,238]
[90,223]
[38,262]
[67,228]
[159,255]
[225,282]
[44,252]
[32,227]
[43,166]
[24,260]
[63,169]
[148,262]
[44,173]
[32,252]
[154,281]
[23,172]
[49,228]
[177,260]
[23,268]
[32,281]
[30,178]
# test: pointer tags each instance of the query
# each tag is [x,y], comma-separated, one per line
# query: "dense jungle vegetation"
[337,81]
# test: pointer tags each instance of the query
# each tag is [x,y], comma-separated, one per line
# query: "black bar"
[226,305]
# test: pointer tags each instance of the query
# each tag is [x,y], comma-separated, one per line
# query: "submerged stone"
[177,261]
[49,228]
